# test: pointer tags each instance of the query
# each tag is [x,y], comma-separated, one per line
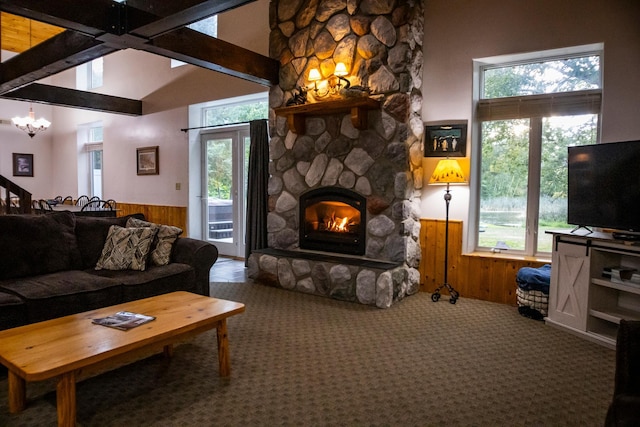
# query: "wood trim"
[167,215]
[489,278]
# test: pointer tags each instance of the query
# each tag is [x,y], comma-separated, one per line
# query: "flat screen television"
[604,187]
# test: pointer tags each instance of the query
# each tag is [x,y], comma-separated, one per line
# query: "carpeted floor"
[303,360]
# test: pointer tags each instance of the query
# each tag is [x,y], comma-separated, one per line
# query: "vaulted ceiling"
[52,36]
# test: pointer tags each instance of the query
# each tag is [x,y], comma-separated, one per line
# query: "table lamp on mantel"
[447,172]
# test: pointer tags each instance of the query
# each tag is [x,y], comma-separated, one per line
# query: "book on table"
[124,320]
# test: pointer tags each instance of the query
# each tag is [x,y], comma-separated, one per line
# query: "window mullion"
[533,183]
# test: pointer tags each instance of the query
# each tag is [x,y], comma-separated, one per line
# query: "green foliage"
[555,76]
[236,113]
[220,167]
[506,148]
[220,151]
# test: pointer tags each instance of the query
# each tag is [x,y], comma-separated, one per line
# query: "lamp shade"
[314,74]
[341,69]
[447,171]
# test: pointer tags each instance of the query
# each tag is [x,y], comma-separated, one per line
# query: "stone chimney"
[380,43]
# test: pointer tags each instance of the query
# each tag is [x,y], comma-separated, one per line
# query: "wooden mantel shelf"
[358,108]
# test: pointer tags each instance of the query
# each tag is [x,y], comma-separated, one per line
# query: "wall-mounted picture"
[148,162]
[22,164]
[445,139]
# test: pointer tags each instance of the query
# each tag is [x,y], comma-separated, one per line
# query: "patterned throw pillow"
[126,248]
[161,247]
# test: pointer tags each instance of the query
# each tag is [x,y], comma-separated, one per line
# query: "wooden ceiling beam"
[214,54]
[99,27]
[73,98]
[176,14]
[61,52]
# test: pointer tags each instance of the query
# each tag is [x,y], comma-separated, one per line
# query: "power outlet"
[178,185]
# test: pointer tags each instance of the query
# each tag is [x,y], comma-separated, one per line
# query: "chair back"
[67,200]
[92,205]
[45,206]
[35,206]
[109,204]
[82,200]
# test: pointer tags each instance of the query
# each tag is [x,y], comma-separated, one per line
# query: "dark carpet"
[299,359]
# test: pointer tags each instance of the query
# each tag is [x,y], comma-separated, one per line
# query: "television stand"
[629,237]
[578,227]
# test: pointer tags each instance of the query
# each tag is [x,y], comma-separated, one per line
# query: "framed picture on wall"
[445,139]
[147,161]
[22,164]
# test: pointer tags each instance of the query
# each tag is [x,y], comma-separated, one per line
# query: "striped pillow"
[163,242]
[126,248]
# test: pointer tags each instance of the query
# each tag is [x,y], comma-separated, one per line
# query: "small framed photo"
[445,139]
[22,164]
[147,161]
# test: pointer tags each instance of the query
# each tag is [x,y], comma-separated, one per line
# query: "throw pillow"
[126,248]
[163,242]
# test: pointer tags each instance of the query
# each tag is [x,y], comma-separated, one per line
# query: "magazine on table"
[124,320]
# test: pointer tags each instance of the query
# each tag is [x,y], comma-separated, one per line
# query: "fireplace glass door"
[332,220]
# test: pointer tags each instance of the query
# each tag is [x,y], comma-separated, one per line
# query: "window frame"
[536,107]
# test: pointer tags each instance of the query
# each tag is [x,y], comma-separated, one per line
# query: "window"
[208,26]
[91,136]
[529,110]
[90,74]
[95,73]
[95,160]
[242,112]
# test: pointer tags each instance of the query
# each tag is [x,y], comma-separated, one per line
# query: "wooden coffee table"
[72,347]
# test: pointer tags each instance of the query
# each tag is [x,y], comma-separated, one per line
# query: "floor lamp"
[447,172]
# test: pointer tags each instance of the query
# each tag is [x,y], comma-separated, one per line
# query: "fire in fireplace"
[332,219]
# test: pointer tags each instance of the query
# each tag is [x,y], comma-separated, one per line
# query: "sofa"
[58,264]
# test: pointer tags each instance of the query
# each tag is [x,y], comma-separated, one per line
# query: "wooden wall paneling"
[455,249]
[428,263]
[486,277]
[168,215]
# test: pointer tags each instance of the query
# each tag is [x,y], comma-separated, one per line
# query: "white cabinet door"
[568,294]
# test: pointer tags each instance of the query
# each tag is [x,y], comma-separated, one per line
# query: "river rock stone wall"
[380,42]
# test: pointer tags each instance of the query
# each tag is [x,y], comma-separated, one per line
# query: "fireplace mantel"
[357,106]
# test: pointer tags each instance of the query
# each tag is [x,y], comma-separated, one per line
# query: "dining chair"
[82,200]
[35,206]
[45,206]
[67,200]
[109,204]
[92,205]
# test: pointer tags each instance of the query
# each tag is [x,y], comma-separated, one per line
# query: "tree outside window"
[530,113]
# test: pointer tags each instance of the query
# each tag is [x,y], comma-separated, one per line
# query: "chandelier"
[29,124]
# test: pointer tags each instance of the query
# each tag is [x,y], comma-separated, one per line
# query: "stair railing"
[11,191]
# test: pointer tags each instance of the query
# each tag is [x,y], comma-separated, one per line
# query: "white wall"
[166,94]
[457,31]
[14,140]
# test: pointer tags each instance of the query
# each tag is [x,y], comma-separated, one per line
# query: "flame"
[338,225]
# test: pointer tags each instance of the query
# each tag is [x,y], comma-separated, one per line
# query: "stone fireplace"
[344,194]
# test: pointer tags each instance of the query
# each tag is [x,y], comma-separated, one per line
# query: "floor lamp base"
[435,296]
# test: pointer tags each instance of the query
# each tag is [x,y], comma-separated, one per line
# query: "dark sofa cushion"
[37,244]
[91,233]
[155,280]
[63,293]
[13,311]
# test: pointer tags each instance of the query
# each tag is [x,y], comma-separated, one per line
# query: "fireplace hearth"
[332,219]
